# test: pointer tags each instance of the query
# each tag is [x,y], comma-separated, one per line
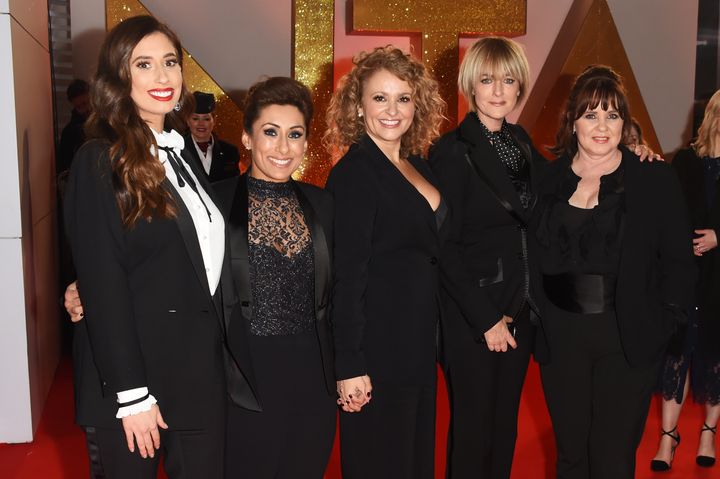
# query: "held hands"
[498,337]
[354,393]
[143,429]
[72,304]
[705,242]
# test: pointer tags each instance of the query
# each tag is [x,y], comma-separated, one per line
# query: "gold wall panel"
[439,23]
[588,36]
[313,22]
[229,116]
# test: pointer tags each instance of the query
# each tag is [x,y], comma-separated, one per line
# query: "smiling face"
[495,96]
[156,78]
[387,108]
[201,126]
[277,141]
[599,131]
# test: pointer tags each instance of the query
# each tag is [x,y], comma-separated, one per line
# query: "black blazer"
[484,271]
[317,207]
[225,160]
[657,272]
[387,245]
[691,173]
[149,317]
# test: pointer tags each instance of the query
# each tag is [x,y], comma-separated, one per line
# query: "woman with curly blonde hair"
[388,218]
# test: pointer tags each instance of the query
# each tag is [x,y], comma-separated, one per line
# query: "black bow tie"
[182,174]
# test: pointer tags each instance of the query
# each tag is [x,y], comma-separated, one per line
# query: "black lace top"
[281,261]
[582,240]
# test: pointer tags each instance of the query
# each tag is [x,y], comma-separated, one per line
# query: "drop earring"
[177,107]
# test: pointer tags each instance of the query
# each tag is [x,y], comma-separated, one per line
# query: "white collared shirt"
[205,158]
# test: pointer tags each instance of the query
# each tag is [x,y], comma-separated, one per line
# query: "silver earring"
[359,114]
[177,107]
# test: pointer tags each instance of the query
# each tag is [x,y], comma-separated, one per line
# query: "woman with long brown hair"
[149,244]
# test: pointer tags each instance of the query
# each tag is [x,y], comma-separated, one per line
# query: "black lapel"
[189,236]
[320,249]
[484,156]
[238,233]
[387,172]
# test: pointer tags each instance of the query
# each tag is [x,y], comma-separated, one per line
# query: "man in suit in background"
[217,158]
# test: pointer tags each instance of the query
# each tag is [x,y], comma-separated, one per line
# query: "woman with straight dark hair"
[615,278]
[280,234]
[149,248]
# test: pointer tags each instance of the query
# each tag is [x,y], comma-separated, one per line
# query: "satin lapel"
[238,233]
[485,157]
[389,174]
[189,236]
[320,250]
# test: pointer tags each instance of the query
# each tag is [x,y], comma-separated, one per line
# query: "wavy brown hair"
[137,174]
[597,85]
[345,127]
[706,143]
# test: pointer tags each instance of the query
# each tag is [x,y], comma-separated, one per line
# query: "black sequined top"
[281,261]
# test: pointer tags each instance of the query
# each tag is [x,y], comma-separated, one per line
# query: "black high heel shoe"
[660,466]
[706,461]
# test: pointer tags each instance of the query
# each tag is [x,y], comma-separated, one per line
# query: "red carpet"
[58,451]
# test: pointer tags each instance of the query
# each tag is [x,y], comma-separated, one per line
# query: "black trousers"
[292,437]
[393,437]
[484,390]
[598,403]
[186,454]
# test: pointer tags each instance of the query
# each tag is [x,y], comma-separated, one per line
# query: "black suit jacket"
[317,207]
[149,317]
[225,160]
[387,245]
[691,172]
[484,274]
[657,272]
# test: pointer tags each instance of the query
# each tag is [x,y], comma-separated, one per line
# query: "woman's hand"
[705,242]
[73,306]
[143,429]
[498,337]
[354,393]
[645,153]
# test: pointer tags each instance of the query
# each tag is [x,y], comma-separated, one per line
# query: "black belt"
[581,293]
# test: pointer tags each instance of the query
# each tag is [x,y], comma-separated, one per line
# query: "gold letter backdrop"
[438,22]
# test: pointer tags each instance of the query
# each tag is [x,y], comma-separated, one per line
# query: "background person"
[217,158]
[698,169]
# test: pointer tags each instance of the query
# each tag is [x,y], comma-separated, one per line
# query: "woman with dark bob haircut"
[615,278]
[148,243]
[280,234]
[388,217]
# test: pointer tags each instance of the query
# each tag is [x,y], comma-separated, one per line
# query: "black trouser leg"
[393,437]
[484,389]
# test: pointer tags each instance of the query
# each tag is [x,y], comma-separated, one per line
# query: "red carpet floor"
[58,451]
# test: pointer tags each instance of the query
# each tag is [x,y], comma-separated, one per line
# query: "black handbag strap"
[484,179]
